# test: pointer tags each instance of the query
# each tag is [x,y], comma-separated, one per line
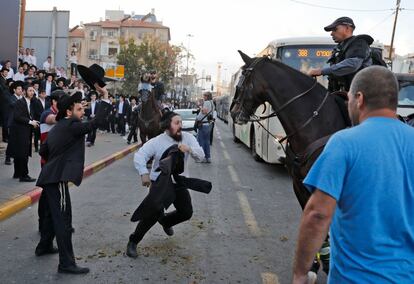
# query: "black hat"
[36,82]
[56,94]
[93,74]
[61,79]
[4,68]
[41,71]
[166,119]
[29,78]
[50,74]
[15,85]
[65,102]
[8,81]
[340,21]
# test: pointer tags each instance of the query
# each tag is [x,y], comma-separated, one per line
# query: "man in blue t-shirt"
[363,182]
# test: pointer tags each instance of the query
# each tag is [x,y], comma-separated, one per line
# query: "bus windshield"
[304,57]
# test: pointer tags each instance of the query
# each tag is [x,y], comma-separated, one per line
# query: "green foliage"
[151,54]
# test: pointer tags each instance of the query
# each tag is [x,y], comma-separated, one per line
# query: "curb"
[25,200]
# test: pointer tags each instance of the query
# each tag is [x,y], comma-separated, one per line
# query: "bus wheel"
[235,139]
[253,147]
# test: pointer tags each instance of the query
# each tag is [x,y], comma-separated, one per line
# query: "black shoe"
[129,142]
[168,230]
[8,162]
[73,269]
[41,251]
[16,176]
[131,250]
[27,179]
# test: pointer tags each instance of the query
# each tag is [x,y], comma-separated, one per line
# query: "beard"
[176,136]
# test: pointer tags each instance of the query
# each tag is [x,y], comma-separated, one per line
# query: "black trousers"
[112,122]
[5,133]
[121,124]
[91,136]
[20,167]
[55,215]
[183,212]
[36,135]
[133,133]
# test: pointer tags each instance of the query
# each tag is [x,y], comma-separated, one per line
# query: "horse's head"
[249,91]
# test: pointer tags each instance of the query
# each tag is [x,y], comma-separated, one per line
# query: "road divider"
[25,200]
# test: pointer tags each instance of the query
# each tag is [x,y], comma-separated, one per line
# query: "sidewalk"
[108,148]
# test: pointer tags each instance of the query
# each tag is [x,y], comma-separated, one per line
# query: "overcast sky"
[221,27]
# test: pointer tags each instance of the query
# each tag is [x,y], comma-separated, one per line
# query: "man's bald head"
[379,87]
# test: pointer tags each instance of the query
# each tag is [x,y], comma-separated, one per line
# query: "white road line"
[222,145]
[249,218]
[269,278]
[234,176]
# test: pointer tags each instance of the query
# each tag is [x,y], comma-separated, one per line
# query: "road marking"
[249,218]
[226,155]
[222,145]
[269,278]
[234,176]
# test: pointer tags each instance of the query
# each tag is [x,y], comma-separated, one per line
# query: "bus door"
[265,134]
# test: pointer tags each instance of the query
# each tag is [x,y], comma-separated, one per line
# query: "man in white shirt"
[26,57]
[11,71]
[19,76]
[47,64]
[33,59]
[154,148]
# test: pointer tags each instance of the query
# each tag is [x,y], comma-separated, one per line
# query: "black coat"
[88,111]
[38,108]
[162,192]
[20,138]
[64,149]
[124,110]
[43,85]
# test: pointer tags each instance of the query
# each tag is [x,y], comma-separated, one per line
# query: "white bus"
[300,53]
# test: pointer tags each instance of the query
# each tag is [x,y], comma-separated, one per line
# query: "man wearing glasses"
[351,54]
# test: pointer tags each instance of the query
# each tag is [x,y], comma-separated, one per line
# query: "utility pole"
[188,52]
[218,87]
[393,29]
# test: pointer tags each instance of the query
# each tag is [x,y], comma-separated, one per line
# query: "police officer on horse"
[350,55]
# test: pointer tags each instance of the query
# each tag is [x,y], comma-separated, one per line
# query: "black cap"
[340,21]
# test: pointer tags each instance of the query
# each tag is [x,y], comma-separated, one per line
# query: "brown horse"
[307,112]
[148,117]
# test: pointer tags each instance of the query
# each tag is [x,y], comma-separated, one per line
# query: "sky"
[221,27]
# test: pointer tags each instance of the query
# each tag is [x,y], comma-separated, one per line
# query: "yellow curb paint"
[269,278]
[249,218]
[20,202]
[11,207]
[99,167]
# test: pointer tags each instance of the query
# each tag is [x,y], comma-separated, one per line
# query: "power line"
[382,21]
[341,9]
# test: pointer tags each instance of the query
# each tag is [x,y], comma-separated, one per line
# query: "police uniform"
[348,57]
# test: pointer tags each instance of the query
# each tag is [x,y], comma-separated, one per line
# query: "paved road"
[244,231]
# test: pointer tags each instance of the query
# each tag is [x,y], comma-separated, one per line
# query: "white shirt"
[48,88]
[43,102]
[93,105]
[46,66]
[10,74]
[156,146]
[33,60]
[19,77]
[120,107]
[27,58]
[28,105]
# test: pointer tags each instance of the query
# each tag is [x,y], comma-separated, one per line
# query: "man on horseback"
[351,54]
[158,88]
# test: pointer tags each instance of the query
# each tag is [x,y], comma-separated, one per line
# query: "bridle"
[240,86]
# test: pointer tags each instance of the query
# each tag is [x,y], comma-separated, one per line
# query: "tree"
[151,54]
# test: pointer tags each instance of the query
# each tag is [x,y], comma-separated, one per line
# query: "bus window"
[303,58]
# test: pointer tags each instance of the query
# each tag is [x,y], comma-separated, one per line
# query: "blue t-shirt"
[369,171]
